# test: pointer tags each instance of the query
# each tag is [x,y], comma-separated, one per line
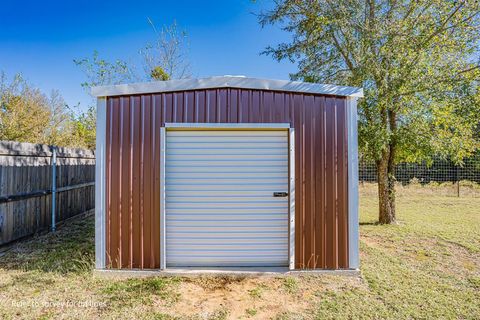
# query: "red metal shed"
[226,172]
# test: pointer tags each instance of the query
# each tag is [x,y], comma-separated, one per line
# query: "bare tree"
[167,57]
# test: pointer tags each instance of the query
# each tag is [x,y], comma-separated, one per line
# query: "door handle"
[280,194]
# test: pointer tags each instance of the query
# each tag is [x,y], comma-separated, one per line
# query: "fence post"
[458,183]
[54,185]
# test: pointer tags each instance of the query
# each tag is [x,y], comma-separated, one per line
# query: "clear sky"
[41,38]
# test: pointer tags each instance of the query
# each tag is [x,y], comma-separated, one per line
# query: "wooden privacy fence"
[38,182]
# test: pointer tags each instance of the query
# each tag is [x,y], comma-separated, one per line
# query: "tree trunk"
[386,190]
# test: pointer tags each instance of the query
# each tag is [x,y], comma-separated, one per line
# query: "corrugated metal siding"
[219,198]
[133,134]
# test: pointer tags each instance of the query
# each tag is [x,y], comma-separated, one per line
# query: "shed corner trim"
[353,219]
[100,179]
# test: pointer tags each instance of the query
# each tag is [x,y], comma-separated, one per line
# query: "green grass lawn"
[425,267]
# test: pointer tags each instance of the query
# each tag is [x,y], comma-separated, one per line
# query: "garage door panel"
[231,163]
[228,262]
[236,253]
[224,169]
[227,181]
[220,145]
[220,209]
[227,241]
[220,175]
[222,228]
[246,246]
[221,188]
[212,140]
[227,198]
[233,216]
[229,204]
[226,133]
[227,237]
[234,260]
[199,224]
[227,151]
[233,254]
[216,247]
[225,210]
[229,157]
[258,194]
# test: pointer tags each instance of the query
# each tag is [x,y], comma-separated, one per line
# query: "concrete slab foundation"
[221,272]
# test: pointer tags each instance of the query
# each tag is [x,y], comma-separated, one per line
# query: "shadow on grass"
[370,224]
[71,249]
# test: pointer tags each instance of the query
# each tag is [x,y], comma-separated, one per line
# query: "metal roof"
[225,82]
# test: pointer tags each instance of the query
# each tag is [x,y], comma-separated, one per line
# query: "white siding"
[220,208]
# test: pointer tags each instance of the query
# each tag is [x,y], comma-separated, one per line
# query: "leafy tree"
[28,115]
[84,128]
[24,112]
[101,72]
[158,73]
[417,62]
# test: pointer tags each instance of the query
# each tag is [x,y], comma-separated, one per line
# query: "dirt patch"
[258,298]
[214,283]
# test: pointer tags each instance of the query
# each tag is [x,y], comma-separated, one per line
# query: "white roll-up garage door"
[220,203]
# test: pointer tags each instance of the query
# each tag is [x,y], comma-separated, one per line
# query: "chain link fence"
[458,180]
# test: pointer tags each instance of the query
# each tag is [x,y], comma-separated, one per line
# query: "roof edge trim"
[225,82]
